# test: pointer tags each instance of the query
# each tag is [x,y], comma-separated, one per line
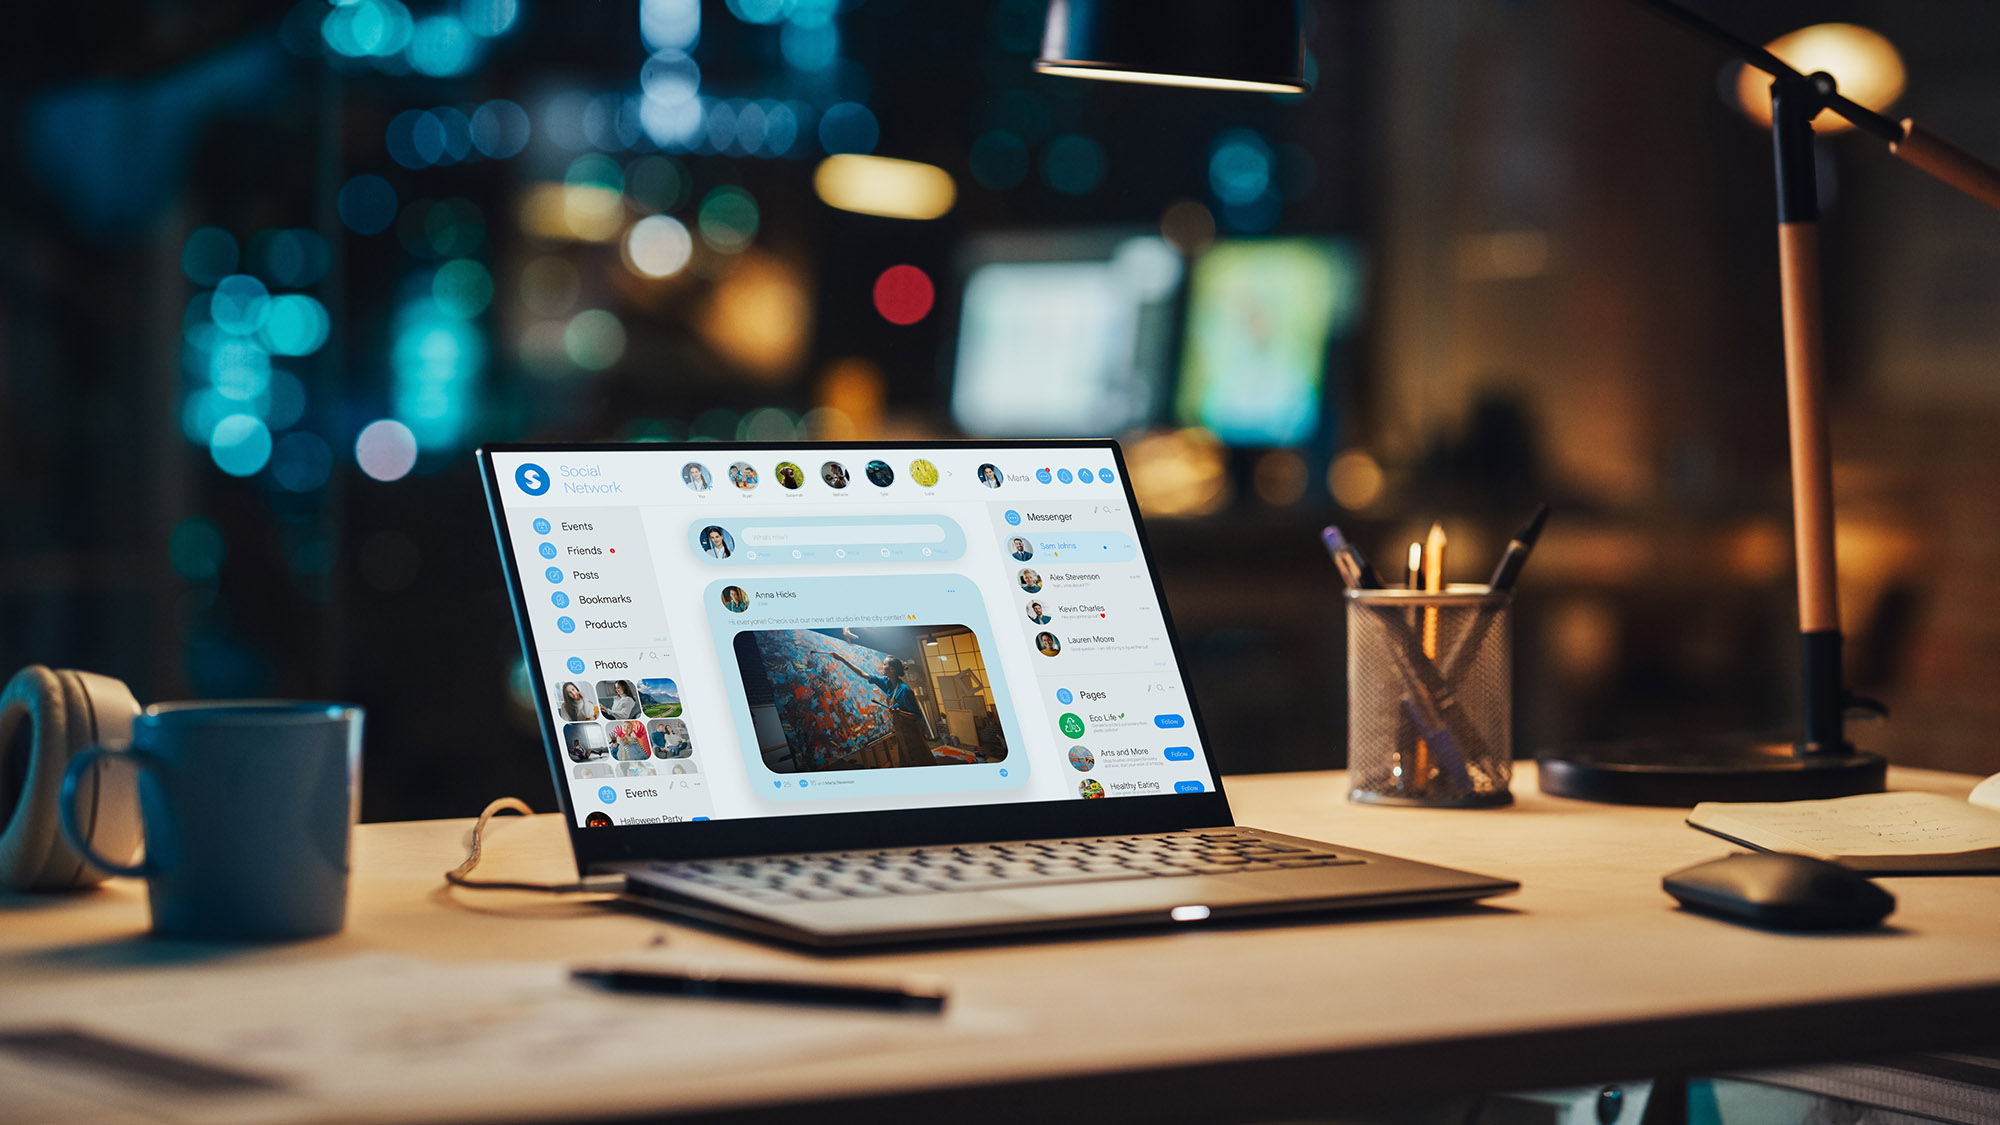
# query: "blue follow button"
[1169,722]
[1179,753]
[1187,787]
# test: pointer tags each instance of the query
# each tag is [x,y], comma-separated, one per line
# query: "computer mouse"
[1783,891]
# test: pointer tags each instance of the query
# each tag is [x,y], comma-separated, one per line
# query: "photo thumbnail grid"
[629,727]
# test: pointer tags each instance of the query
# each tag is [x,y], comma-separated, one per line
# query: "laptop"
[861,694]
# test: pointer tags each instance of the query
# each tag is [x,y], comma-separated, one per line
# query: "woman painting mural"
[906,718]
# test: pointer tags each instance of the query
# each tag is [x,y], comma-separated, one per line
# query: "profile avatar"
[989,475]
[1090,788]
[923,472]
[790,475]
[1018,547]
[834,474]
[1047,645]
[743,475]
[1030,581]
[734,599]
[880,474]
[695,476]
[716,543]
[1036,615]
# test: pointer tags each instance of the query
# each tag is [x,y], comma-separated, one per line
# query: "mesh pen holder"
[1430,707]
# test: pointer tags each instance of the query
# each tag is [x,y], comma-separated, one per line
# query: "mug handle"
[66,807]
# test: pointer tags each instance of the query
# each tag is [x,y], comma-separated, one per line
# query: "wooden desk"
[1589,974]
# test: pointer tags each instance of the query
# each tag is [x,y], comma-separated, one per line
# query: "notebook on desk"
[853,694]
[1886,833]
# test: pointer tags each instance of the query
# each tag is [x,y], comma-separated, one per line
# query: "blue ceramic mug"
[247,809]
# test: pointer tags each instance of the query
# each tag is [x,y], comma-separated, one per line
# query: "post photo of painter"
[873,698]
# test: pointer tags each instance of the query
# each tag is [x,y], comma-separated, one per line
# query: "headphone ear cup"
[45,718]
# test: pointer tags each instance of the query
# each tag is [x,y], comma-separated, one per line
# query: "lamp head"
[1255,45]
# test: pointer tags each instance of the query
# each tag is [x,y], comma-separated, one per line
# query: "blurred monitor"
[1063,334]
[1262,317]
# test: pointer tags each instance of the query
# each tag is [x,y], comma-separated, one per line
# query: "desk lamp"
[1260,45]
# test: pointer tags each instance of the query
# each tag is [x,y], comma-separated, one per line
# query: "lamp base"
[1685,772]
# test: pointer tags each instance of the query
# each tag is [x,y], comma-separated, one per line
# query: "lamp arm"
[1916,146]
[1945,161]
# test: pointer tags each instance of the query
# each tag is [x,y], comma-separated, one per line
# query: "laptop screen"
[728,632]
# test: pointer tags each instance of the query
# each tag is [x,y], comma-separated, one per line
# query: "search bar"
[842,535]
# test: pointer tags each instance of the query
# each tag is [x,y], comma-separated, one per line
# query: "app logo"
[1064,697]
[1042,475]
[1013,517]
[560,599]
[553,574]
[566,624]
[575,665]
[607,794]
[1070,724]
[541,526]
[533,479]
[548,550]
[1063,475]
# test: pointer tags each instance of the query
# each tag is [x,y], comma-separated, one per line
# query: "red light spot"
[614,550]
[903,294]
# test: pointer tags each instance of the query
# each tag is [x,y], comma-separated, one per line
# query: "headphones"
[46,716]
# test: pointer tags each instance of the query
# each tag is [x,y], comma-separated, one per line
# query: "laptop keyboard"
[826,876]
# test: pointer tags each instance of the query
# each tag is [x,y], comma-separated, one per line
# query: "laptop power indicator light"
[1188,913]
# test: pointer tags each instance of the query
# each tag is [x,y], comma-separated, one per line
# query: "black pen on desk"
[905,996]
[1353,565]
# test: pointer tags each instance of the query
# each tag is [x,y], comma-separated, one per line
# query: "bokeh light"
[367,204]
[240,445]
[367,28]
[809,47]
[488,18]
[440,46]
[657,246]
[768,423]
[658,183]
[594,339]
[386,449]
[728,219]
[1864,65]
[456,132]
[760,316]
[1239,166]
[301,462]
[760,11]
[848,127]
[670,24]
[293,258]
[999,160]
[462,288]
[670,76]
[1189,225]
[1073,164]
[201,411]
[550,285]
[284,400]
[401,138]
[1148,267]
[435,362]
[500,129]
[196,549]
[904,294]
[879,185]
[240,304]
[239,368]
[209,255]
[451,228]
[296,325]
[1355,479]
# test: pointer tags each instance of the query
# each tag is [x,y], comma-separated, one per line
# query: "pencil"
[1434,550]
